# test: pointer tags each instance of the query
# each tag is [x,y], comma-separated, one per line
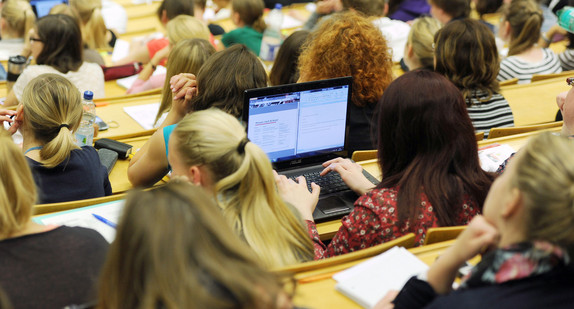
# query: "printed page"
[491,157]
[145,115]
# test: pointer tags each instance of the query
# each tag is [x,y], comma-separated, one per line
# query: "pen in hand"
[104,220]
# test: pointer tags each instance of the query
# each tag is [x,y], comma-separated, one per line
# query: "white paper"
[368,282]
[121,50]
[491,157]
[84,217]
[145,114]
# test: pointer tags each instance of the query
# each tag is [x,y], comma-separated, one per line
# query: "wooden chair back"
[407,241]
[41,209]
[440,234]
[512,81]
[500,132]
[539,77]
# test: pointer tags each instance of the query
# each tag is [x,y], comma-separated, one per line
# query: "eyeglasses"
[35,40]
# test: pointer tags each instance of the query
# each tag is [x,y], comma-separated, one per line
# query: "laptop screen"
[43,7]
[298,120]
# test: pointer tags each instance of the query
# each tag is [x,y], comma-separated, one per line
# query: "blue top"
[166,135]
[81,176]
[2,73]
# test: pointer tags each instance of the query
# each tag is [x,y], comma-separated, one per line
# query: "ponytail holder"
[64,125]
[241,146]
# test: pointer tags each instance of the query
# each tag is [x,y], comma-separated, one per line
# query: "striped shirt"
[489,112]
[567,60]
[513,66]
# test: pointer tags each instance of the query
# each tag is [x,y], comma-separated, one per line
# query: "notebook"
[300,126]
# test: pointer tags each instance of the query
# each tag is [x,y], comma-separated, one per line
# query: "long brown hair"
[466,54]
[250,12]
[525,18]
[62,41]
[427,144]
[285,68]
[173,249]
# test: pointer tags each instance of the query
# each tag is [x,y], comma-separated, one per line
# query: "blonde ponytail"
[244,187]
[94,29]
[52,110]
[525,19]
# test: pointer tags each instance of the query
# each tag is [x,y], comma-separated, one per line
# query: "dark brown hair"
[224,77]
[454,8]
[367,7]
[62,41]
[285,68]
[466,54]
[525,19]
[488,6]
[426,143]
[173,8]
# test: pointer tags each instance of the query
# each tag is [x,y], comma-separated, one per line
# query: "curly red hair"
[347,44]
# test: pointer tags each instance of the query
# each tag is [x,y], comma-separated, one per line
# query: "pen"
[104,220]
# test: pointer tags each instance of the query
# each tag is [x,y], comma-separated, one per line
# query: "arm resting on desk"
[149,164]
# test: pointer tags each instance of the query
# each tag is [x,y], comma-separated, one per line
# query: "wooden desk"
[536,102]
[322,294]
[515,141]
[119,175]
[114,113]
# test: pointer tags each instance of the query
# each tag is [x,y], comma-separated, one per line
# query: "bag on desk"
[119,71]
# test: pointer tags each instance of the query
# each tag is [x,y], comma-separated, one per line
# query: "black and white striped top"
[489,112]
[567,60]
[511,67]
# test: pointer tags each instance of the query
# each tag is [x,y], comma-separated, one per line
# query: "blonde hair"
[244,186]
[250,12]
[525,18]
[173,249]
[421,38]
[52,111]
[17,187]
[187,56]
[186,27]
[545,176]
[19,16]
[94,29]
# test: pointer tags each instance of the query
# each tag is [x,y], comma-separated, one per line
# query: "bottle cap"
[88,95]
[278,6]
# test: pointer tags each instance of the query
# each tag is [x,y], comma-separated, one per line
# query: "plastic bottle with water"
[566,18]
[272,34]
[85,133]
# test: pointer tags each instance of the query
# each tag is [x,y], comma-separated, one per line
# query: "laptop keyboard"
[329,183]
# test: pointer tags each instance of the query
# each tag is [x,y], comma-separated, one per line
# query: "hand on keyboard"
[297,194]
[351,173]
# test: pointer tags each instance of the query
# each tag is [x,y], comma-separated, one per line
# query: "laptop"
[300,126]
[42,7]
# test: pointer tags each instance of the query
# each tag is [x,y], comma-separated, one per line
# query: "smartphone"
[103,126]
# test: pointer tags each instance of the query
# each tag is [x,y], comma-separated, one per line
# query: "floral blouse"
[375,221]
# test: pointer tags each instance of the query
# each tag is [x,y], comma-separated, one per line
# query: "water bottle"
[566,18]
[272,34]
[85,133]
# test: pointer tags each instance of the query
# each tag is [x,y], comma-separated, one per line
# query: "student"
[419,52]
[407,10]
[143,51]
[51,110]
[94,31]
[180,28]
[429,162]
[528,217]
[43,266]
[356,48]
[56,44]
[211,149]
[220,83]
[567,56]
[466,54]
[520,28]
[247,15]
[448,10]
[285,67]
[185,257]
[16,19]
[394,31]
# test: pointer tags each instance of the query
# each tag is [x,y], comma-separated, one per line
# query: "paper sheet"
[84,217]
[145,115]
[493,155]
[127,82]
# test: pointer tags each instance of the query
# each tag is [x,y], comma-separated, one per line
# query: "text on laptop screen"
[297,124]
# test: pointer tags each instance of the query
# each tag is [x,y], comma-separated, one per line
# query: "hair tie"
[241,146]
[64,125]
